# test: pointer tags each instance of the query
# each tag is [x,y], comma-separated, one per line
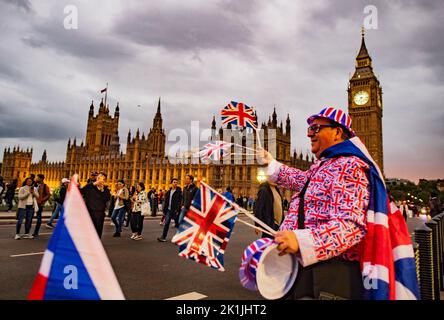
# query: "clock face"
[361,98]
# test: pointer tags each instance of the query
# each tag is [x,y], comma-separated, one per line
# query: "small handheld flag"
[215,150]
[75,265]
[239,114]
[205,230]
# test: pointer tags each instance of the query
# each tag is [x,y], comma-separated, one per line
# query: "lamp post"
[261,176]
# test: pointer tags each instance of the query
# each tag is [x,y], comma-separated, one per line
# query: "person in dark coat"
[10,193]
[96,196]
[435,204]
[189,191]
[155,203]
[268,207]
[171,207]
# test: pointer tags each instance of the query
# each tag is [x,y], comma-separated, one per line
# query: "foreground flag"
[205,230]
[388,262]
[215,150]
[239,114]
[75,265]
[104,90]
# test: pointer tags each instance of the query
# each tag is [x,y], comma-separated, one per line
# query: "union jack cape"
[206,228]
[239,114]
[387,262]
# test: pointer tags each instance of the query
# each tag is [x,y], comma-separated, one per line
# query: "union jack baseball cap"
[336,115]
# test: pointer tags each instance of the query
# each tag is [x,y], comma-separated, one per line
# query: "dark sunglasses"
[315,128]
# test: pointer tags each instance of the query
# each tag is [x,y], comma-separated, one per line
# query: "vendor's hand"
[264,156]
[287,242]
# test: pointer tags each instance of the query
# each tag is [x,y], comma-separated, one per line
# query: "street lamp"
[261,176]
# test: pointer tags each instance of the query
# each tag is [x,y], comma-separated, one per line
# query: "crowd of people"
[126,207]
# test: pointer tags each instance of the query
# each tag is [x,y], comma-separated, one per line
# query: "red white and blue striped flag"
[239,114]
[75,265]
[205,230]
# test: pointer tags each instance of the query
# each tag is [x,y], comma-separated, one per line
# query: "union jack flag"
[215,150]
[205,230]
[239,114]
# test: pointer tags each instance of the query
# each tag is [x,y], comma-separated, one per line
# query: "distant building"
[145,158]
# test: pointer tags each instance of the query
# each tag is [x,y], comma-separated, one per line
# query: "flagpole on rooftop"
[106,93]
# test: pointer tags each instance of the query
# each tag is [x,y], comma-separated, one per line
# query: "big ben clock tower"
[365,104]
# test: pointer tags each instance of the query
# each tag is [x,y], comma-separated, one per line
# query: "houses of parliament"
[145,157]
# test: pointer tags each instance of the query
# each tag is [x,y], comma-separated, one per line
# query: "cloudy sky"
[199,55]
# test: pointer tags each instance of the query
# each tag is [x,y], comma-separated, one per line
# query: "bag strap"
[301,213]
[301,209]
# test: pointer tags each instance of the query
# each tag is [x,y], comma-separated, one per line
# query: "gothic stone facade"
[145,159]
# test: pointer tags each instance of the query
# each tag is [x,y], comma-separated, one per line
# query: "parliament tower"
[365,104]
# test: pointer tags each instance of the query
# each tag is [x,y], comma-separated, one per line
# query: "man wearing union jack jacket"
[327,230]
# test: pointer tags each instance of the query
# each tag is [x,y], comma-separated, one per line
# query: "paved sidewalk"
[9,217]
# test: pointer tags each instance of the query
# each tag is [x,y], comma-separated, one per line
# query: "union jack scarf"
[387,262]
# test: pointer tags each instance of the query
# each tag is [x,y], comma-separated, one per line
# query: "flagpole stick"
[258,138]
[258,221]
[106,93]
[236,206]
[255,227]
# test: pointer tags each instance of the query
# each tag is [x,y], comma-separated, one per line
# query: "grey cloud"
[80,44]
[10,72]
[185,29]
[24,5]
[33,42]
[33,123]
[404,34]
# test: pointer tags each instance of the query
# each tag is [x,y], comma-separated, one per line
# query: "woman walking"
[27,204]
[141,209]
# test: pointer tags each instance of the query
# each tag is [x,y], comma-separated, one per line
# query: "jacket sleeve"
[23,194]
[62,194]
[347,224]
[284,176]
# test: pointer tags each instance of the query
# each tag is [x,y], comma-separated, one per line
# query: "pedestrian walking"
[2,190]
[229,194]
[129,205]
[26,206]
[268,207]
[171,207]
[118,216]
[141,208]
[59,197]
[96,195]
[155,204]
[44,194]
[189,191]
[10,193]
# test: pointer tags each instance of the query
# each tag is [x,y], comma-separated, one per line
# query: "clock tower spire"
[365,104]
